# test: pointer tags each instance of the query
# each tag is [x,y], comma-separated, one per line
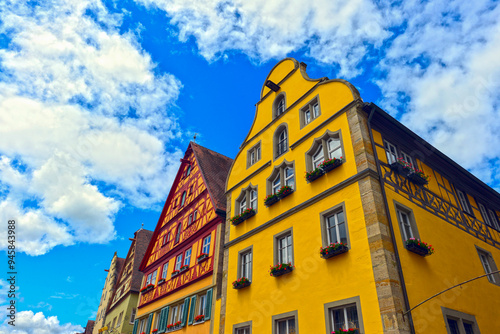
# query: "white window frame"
[247,199]
[253,155]
[153,277]
[187,257]
[489,265]
[464,203]
[148,279]
[318,157]
[282,142]
[344,308]
[280,249]
[276,184]
[178,262]
[206,245]
[406,158]
[164,271]
[202,304]
[310,111]
[391,152]
[276,319]
[460,318]
[287,322]
[332,151]
[337,226]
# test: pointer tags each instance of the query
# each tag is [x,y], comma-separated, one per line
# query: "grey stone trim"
[413,223]
[322,218]
[491,262]
[249,249]
[260,169]
[459,316]
[275,244]
[347,182]
[308,107]
[258,144]
[353,300]
[282,316]
[242,325]
[323,141]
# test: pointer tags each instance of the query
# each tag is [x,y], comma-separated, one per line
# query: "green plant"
[279,267]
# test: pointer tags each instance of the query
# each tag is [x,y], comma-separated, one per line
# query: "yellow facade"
[373,285]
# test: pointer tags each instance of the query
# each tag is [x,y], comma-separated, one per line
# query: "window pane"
[307,117]
[334,149]
[468,328]
[316,110]
[289,177]
[453,325]
[282,327]
[338,319]
[352,317]
[318,157]
[276,184]
[243,205]
[332,230]
[291,326]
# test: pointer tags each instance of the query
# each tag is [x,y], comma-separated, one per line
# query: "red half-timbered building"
[183,264]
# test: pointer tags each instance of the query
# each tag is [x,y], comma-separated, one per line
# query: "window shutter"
[150,320]
[136,323]
[208,306]
[192,310]
[163,320]
[185,312]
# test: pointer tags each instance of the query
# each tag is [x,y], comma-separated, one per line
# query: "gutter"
[391,229]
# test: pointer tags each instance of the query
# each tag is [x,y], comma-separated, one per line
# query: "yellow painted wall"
[315,281]
[455,260]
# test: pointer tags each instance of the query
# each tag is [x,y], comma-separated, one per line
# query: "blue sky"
[99,99]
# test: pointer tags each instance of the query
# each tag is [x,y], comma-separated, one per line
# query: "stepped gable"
[214,169]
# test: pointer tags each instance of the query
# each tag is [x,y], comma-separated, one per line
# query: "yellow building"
[313,173]
[183,262]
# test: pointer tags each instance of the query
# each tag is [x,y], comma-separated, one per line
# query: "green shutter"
[191,311]
[185,312]
[163,320]
[136,323]
[150,320]
[208,306]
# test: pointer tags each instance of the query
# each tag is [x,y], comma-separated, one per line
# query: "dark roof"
[89,328]
[214,168]
[142,240]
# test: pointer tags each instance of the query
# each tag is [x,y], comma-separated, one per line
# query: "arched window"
[279,105]
[328,146]
[283,175]
[188,170]
[280,141]
[247,199]
[183,200]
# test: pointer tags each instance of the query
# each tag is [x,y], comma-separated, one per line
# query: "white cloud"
[331,31]
[28,322]
[83,121]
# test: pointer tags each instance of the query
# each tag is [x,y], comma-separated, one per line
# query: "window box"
[314,174]
[419,247]
[161,281]
[333,250]
[346,331]
[202,257]
[183,269]
[175,273]
[284,192]
[402,167]
[281,269]
[331,164]
[418,178]
[199,318]
[154,330]
[238,219]
[271,199]
[241,283]
[147,288]
[174,326]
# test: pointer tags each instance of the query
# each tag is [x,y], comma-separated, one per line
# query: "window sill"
[281,272]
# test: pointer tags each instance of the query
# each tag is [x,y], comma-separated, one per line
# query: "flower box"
[175,273]
[419,247]
[161,281]
[147,288]
[199,318]
[402,167]
[241,283]
[418,178]
[346,331]
[281,269]
[271,199]
[238,219]
[184,268]
[154,330]
[175,326]
[314,174]
[333,250]
[284,192]
[202,257]
[331,164]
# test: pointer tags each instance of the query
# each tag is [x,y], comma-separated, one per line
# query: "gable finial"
[194,137]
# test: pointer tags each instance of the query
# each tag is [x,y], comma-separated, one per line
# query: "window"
[406,158]
[187,257]
[190,190]
[334,225]
[253,155]
[178,235]
[206,244]
[113,323]
[391,152]
[156,322]
[190,219]
[328,146]
[166,238]
[489,265]
[120,319]
[245,263]
[458,322]
[242,330]
[178,262]
[279,105]
[195,215]
[283,246]
[285,323]
[148,280]
[406,221]
[202,304]
[176,313]
[309,112]
[284,172]
[188,170]
[344,317]
[183,200]
[464,202]
[281,141]
[489,216]
[494,219]
[247,199]
[164,271]
[153,277]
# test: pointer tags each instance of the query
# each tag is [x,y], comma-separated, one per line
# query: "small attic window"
[279,105]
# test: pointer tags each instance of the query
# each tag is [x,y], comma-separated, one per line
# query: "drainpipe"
[393,239]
